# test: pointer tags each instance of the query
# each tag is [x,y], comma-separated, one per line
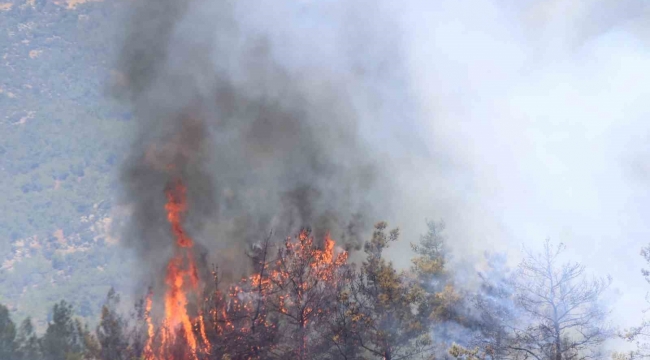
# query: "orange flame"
[267,288]
[148,351]
[181,278]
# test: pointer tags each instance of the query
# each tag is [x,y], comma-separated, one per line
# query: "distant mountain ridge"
[62,141]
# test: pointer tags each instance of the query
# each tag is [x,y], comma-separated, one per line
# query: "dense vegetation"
[61,142]
[302,303]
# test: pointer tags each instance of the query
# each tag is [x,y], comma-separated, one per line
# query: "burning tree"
[274,312]
[302,300]
[180,337]
[241,326]
[288,295]
[304,303]
[305,279]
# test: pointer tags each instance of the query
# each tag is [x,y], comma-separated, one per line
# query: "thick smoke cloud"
[260,112]
[537,109]
[511,120]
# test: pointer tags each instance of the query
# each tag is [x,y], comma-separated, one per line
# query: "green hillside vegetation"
[62,140]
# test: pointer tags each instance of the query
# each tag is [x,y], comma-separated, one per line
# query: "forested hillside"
[61,142]
[307,302]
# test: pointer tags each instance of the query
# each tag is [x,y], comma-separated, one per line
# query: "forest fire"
[181,280]
[290,285]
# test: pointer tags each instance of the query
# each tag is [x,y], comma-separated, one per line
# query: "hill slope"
[61,143]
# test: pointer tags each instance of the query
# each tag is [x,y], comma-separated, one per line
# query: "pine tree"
[7,335]
[62,339]
[430,274]
[305,279]
[442,307]
[429,264]
[241,325]
[28,342]
[111,330]
[496,309]
[383,302]
[339,329]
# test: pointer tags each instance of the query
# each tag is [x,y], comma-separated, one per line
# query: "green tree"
[7,335]
[432,277]
[340,329]
[28,343]
[111,330]
[442,308]
[387,327]
[64,338]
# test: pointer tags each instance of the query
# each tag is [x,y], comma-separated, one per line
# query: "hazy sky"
[537,115]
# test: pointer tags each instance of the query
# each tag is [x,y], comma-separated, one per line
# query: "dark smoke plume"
[265,137]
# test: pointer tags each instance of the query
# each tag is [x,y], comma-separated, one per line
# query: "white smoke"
[511,120]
